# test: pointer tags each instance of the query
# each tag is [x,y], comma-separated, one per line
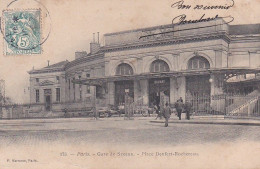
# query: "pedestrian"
[156,109]
[66,113]
[187,108]
[166,113]
[179,107]
[180,99]
[96,113]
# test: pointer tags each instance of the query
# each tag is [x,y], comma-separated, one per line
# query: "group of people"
[179,106]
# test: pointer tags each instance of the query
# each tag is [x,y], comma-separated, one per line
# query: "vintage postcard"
[111,84]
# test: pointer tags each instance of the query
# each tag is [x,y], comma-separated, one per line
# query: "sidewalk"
[216,120]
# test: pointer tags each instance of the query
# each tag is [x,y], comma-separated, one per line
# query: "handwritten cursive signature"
[182,19]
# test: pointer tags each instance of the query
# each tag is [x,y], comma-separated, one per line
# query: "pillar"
[173,90]
[216,84]
[141,91]
[216,90]
[145,91]
[137,91]
[181,83]
[111,93]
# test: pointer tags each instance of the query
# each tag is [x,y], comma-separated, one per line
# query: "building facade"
[153,64]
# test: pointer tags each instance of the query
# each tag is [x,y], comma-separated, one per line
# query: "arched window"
[124,69]
[198,62]
[159,66]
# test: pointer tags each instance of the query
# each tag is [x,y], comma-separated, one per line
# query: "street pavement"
[143,142]
[116,130]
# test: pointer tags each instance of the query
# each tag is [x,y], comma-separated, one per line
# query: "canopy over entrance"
[228,72]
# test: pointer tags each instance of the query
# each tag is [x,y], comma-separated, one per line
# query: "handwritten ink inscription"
[181,5]
[181,19]
[163,32]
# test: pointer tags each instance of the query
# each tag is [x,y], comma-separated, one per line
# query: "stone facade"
[224,47]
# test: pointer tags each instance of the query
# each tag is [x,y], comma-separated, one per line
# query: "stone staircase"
[243,105]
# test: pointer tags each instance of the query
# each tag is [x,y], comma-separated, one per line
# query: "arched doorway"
[198,87]
[122,86]
[159,88]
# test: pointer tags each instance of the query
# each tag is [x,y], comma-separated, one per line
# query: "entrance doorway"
[120,90]
[159,91]
[47,95]
[198,85]
[48,103]
[198,93]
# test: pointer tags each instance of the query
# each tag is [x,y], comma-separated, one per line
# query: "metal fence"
[37,110]
[231,105]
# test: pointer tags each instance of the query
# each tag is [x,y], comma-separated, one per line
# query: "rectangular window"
[73,83]
[69,83]
[88,89]
[87,75]
[99,92]
[37,95]
[57,94]
[74,91]
[37,80]
[80,92]
[74,95]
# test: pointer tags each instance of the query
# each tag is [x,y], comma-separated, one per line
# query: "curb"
[211,122]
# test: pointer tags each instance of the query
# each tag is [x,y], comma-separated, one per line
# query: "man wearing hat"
[166,113]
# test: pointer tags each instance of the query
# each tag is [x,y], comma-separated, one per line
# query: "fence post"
[248,109]
[225,105]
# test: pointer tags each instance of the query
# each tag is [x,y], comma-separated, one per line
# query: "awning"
[226,71]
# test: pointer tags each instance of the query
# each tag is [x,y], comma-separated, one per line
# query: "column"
[141,92]
[218,59]
[173,90]
[216,82]
[137,91]
[216,90]
[111,93]
[145,91]
[181,82]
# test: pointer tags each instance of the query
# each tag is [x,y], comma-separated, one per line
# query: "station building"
[150,64]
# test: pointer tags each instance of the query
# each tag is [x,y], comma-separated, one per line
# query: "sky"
[73,23]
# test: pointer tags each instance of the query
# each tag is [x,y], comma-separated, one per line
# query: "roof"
[59,64]
[244,29]
[52,68]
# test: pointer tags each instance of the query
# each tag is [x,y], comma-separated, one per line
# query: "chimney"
[95,46]
[80,54]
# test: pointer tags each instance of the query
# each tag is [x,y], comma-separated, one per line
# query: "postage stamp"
[22,32]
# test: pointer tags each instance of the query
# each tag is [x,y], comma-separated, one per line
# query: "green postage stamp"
[22,32]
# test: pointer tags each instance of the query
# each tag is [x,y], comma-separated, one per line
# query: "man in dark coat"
[180,99]
[187,108]
[166,113]
[179,106]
